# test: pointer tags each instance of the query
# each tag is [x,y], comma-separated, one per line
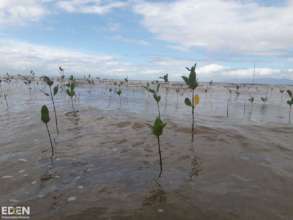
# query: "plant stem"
[72,104]
[159,109]
[290,114]
[227,113]
[119,101]
[5,97]
[160,154]
[192,128]
[49,134]
[56,120]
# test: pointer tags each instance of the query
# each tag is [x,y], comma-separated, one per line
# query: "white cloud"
[90,6]
[21,57]
[230,25]
[15,12]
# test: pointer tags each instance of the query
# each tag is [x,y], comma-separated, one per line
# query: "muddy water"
[106,162]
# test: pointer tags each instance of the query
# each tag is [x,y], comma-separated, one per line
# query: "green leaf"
[157,97]
[45,114]
[188,102]
[70,93]
[158,127]
[119,92]
[290,93]
[185,79]
[56,90]
[290,102]
[48,80]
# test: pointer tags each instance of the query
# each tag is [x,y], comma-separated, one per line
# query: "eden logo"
[15,212]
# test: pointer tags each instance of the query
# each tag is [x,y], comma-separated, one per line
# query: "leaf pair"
[119,92]
[158,127]
[165,78]
[71,87]
[156,96]
[196,100]
[50,82]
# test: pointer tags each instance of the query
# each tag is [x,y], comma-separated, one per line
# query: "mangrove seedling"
[290,103]
[45,117]
[158,126]
[157,130]
[53,93]
[71,90]
[165,78]
[192,83]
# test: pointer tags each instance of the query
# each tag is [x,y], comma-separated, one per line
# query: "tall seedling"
[53,93]
[158,125]
[45,117]
[192,83]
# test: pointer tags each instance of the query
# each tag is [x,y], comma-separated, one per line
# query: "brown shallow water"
[106,166]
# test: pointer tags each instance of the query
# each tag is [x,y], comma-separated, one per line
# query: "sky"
[145,39]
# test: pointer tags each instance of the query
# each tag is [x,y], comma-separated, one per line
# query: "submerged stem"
[49,134]
[72,104]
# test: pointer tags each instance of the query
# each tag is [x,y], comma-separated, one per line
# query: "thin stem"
[56,120]
[160,154]
[49,134]
[119,101]
[192,128]
[72,104]
[5,97]
[290,114]
[159,109]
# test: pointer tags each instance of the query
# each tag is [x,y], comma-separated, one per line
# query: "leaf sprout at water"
[45,117]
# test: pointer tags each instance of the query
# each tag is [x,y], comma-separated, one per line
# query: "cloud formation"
[230,25]
[21,57]
[90,6]
[15,12]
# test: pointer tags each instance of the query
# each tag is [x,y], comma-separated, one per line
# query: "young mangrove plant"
[159,125]
[192,83]
[157,130]
[71,90]
[52,93]
[45,117]
[290,103]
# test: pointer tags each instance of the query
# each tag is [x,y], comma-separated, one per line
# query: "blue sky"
[143,39]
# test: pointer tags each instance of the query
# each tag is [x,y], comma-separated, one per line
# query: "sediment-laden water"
[106,164]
